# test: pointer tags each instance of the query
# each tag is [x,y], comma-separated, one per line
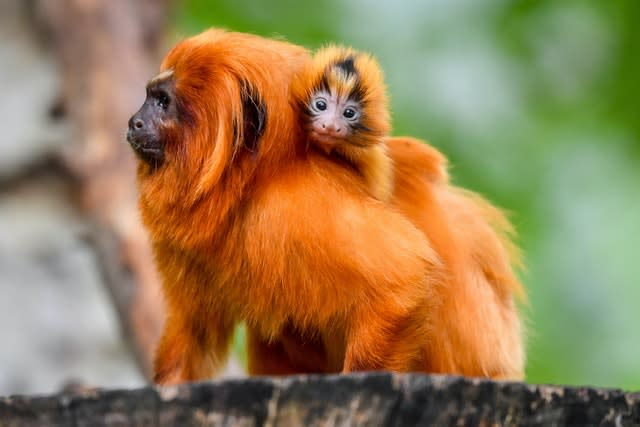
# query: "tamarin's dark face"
[147,127]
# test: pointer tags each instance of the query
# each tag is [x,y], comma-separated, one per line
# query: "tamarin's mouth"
[148,150]
[324,137]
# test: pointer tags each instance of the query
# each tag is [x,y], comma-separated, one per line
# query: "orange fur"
[289,241]
[475,327]
[418,159]
[259,237]
[364,146]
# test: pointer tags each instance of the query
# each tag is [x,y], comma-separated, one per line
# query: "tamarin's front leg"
[191,347]
[378,339]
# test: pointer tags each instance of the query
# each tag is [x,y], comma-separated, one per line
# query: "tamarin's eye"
[349,113]
[320,105]
[163,100]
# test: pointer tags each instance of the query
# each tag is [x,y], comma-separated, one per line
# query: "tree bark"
[375,399]
[107,51]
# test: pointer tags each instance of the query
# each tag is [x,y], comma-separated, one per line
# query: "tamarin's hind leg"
[285,355]
[267,358]
[384,341]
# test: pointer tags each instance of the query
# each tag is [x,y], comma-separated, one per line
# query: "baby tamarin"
[342,97]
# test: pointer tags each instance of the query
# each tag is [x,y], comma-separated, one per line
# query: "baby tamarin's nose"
[330,127]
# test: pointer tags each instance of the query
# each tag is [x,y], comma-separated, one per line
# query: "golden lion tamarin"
[342,97]
[249,225]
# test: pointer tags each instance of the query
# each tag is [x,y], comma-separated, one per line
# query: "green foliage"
[537,104]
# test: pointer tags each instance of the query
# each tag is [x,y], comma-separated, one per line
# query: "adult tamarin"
[249,225]
[342,98]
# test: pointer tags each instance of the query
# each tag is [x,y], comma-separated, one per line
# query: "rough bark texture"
[357,400]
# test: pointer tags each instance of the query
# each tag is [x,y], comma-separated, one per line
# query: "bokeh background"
[535,103]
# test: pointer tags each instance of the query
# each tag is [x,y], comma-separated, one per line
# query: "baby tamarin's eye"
[349,113]
[320,105]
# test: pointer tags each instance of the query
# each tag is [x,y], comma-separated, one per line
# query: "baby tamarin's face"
[334,118]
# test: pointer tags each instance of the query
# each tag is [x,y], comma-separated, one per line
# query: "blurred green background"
[536,104]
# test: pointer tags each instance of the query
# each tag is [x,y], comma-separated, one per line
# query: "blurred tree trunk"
[107,50]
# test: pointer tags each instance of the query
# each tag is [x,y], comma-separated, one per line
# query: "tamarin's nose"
[135,123]
[330,127]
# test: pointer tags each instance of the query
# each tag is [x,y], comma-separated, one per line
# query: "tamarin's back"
[476,329]
[473,327]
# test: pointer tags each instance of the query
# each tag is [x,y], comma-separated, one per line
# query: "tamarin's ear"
[254,117]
